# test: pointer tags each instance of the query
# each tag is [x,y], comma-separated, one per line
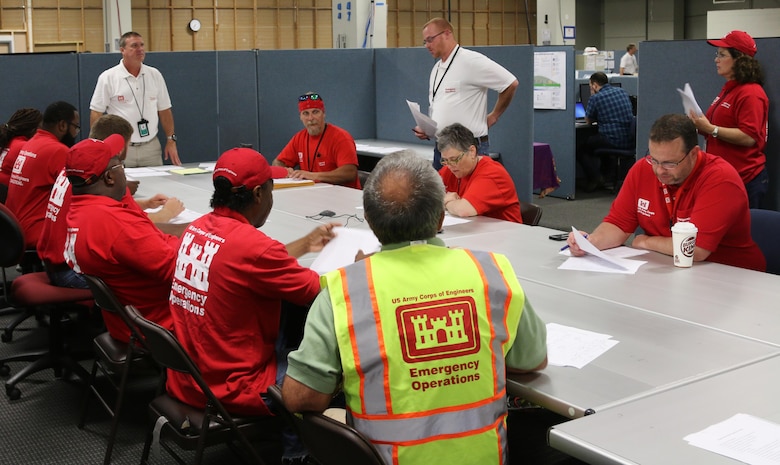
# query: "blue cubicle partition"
[237,90]
[668,65]
[556,127]
[191,78]
[403,74]
[344,78]
[36,80]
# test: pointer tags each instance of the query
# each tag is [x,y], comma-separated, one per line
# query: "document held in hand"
[689,101]
[423,121]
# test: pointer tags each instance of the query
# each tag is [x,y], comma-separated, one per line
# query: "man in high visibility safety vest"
[419,336]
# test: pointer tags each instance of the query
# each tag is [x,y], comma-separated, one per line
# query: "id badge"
[143,128]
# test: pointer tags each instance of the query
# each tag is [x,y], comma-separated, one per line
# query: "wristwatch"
[715,132]
[172,137]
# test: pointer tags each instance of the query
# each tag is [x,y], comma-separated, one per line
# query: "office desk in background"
[545,180]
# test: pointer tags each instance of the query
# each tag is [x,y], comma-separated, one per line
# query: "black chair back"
[11,238]
[329,442]
[531,213]
[764,226]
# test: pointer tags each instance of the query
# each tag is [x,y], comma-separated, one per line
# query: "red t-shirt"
[713,198]
[36,168]
[225,301]
[743,106]
[333,148]
[119,243]
[8,157]
[489,189]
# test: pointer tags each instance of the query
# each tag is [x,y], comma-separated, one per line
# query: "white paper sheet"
[376,149]
[597,260]
[422,120]
[742,437]
[450,220]
[145,172]
[342,249]
[187,216]
[575,347]
[689,101]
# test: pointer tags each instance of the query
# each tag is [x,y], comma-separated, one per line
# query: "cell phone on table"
[559,237]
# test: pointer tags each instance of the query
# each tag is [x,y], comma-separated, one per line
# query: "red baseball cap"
[246,167]
[89,158]
[739,40]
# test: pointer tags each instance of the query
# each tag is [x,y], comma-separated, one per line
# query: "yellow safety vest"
[422,333]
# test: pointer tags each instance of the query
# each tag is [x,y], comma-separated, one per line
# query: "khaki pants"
[148,154]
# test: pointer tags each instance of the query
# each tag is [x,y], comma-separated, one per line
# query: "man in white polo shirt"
[137,93]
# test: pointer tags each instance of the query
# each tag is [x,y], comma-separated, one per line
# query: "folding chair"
[330,442]
[114,359]
[193,428]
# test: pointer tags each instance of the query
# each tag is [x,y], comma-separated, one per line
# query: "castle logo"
[194,261]
[438,329]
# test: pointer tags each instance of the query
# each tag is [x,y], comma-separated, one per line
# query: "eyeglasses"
[121,165]
[722,55]
[306,97]
[453,161]
[430,39]
[78,128]
[667,165]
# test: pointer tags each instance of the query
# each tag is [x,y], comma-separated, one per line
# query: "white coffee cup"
[684,242]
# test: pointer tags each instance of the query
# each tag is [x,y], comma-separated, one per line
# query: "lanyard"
[309,158]
[436,88]
[143,97]
[671,203]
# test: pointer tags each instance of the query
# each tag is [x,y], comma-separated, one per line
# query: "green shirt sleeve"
[530,345]
[317,362]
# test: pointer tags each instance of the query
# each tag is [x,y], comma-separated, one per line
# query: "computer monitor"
[584,94]
[579,111]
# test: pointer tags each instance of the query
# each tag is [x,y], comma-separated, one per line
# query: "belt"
[482,139]
[137,144]
[52,268]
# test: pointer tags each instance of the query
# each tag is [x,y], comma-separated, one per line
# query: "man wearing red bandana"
[321,152]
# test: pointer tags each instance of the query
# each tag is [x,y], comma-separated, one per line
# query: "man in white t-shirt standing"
[458,86]
[137,93]
[628,64]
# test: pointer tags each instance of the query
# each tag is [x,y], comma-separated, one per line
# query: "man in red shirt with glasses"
[320,152]
[678,182]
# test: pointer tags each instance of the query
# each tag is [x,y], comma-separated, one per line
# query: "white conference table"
[729,299]
[651,430]
[655,353]
[675,326]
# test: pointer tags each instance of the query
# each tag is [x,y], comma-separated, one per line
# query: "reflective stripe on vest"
[376,417]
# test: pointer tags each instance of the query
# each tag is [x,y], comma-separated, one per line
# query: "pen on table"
[567,245]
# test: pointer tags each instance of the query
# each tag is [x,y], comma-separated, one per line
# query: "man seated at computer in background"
[475,184]
[419,336]
[322,152]
[51,243]
[108,238]
[610,107]
[678,181]
[228,287]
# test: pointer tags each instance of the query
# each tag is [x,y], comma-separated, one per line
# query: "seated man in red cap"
[108,239]
[229,283]
[322,152]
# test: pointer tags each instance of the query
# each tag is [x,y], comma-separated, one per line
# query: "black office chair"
[531,213]
[764,226]
[13,253]
[114,359]
[623,158]
[329,442]
[363,177]
[193,428]
[33,293]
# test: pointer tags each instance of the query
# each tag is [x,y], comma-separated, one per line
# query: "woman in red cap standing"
[735,125]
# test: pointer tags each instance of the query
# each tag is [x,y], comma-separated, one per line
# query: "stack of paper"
[689,101]
[289,182]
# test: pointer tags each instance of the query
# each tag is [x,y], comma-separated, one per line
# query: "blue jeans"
[482,149]
[757,189]
[67,278]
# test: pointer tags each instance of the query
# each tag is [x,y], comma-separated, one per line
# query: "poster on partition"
[550,80]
